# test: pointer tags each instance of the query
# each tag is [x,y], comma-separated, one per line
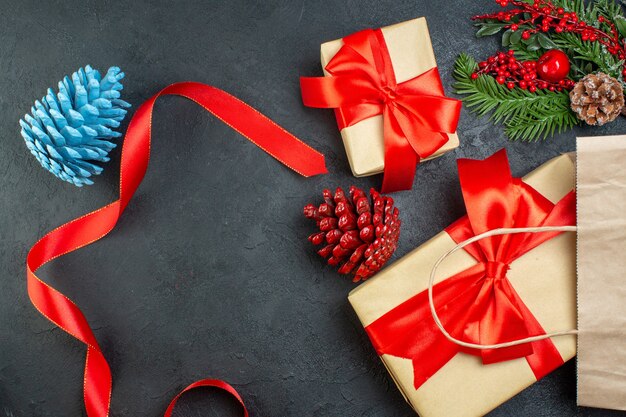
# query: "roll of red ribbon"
[91,227]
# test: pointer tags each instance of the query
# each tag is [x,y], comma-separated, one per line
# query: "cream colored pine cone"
[597,99]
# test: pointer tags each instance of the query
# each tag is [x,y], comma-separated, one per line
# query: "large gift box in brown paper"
[544,278]
[411,54]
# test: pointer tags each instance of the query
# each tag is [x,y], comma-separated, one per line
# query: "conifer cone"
[597,99]
[71,132]
[359,235]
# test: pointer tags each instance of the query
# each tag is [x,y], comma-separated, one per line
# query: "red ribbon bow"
[93,226]
[479,304]
[417,116]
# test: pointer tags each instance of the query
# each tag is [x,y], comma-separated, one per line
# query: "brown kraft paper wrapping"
[601,188]
[411,55]
[545,278]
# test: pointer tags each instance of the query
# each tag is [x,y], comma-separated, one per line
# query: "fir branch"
[527,116]
[531,127]
[585,56]
[582,52]
[595,8]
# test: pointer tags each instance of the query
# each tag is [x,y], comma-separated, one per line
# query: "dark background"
[209,273]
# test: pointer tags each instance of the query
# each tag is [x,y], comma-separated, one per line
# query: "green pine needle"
[587,57]
[526,116]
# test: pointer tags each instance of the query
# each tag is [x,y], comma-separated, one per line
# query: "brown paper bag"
[601,190]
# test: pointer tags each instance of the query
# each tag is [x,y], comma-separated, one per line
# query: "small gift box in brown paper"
[505,289]
[390,105]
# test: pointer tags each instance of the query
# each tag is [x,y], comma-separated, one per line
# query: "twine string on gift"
[494,232]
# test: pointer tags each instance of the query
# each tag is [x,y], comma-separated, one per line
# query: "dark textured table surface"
[209,273]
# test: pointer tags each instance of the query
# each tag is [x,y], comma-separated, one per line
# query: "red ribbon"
[417,116]
[216,383]
[479,304]
[91,227]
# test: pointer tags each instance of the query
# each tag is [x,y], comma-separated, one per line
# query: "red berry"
[523,85]
[500,80]
[511,52]
[526,35]
[510,85]
[514,27]
[553,66]
[532,88]
[474,75]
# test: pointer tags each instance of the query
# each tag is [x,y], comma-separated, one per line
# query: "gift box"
[507,288]
[393,66]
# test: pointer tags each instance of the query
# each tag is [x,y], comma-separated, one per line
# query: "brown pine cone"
[597,98]
[360,236]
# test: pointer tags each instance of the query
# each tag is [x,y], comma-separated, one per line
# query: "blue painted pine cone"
[71,131]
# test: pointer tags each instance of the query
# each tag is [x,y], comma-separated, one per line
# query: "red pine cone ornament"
[360,235]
